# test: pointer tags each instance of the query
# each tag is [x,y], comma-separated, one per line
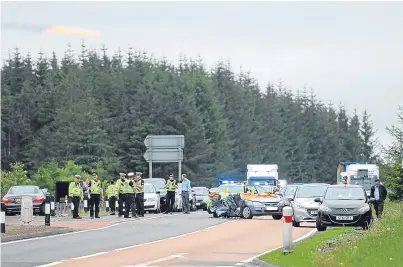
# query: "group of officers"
[128,190]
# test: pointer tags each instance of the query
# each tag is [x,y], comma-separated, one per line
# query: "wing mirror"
[158,192]
[290,198]
[318,199]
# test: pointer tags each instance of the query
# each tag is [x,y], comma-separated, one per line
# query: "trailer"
[358,173]
[262,174]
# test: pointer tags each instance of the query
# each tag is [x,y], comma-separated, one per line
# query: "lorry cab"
[358,173]
[262,174]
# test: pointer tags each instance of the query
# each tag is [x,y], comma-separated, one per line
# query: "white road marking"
[271,250]
[89,256]
[139,245]
[50,264]
[179,255]
[82,231]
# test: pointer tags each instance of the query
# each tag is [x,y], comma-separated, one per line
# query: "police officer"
[171,189]
[76,194]
[112,192]
[127,190]
[131,195]
[120,184]
[94,195]
[139,194]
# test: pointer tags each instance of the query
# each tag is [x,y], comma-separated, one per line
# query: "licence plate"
[197,204]
[314,212]
[18,200]
[345,218]
[271,208]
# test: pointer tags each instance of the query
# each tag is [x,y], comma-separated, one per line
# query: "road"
[178,239]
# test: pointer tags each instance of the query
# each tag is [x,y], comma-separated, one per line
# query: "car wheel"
[295,224]
[277,217]
[215,214]
[320,227]
[246,213]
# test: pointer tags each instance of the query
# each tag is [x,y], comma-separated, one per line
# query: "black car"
[12,200]
[344,205]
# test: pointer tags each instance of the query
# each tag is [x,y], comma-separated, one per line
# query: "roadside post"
[107,205]
[52,207]
[3,218]
[287,230]
[47,212]
[85,205]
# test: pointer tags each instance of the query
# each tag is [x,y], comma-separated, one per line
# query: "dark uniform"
[139,187]
[120,184]
[131,203]
[95,195]
[171,189]
[76,194]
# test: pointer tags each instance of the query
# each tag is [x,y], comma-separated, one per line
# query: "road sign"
[164,155]
[165,141]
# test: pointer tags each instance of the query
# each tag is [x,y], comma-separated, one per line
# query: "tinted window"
[344,193]
[148,188]
[311,191]
[23,190]
[158,183]
[201,191]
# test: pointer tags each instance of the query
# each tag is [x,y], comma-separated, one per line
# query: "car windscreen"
[290,191]
[24,190]
[311,191]
[148,188]
[234,189]
[158,183]
[267,188]
[345,193]
[201,191]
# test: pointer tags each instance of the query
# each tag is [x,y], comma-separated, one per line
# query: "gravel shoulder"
[17,232]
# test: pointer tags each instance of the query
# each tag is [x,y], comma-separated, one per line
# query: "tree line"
[95,109]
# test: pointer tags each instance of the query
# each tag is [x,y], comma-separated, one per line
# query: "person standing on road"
[139,194]
[185,194]
[131,195]
[76,194]
[112,194]
[120,186]
[379,193]
[85,191]
[344,180]
[94,195]
[171,187]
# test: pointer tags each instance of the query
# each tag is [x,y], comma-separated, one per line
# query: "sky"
[347,52]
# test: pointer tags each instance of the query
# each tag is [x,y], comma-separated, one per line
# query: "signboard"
[164,155]
[165,141]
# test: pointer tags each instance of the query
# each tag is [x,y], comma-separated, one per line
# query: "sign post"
[164,148]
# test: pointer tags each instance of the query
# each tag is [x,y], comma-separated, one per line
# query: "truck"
[262,174]
[360,173]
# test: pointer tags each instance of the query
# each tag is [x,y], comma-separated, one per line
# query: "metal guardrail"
[63,209]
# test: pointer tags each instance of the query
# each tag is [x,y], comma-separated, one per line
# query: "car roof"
[154,179]
[313,184]
[346,185]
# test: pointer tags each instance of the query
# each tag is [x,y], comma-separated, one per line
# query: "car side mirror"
[318,199]
[290,198]
[158,192]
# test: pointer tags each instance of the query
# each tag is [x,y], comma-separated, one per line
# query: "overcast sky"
[348,52]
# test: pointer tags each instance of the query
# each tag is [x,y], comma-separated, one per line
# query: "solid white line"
[271,250]
[89,256]
[143,244]
[50,264]
[82,231]
[179,255]
[211,227]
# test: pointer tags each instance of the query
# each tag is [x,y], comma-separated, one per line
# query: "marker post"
[47,211]
[287,230]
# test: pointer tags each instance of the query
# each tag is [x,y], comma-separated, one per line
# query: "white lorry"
[262,174]
[360,173]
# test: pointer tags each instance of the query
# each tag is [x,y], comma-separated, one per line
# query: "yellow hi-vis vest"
[171,186]
[95,187]
[75,190]
[112,191]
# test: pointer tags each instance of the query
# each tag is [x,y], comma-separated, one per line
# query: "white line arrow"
[179,255]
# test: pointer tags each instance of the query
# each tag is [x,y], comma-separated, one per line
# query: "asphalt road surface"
[196,239]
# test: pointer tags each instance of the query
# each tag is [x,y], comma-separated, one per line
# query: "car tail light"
[6,200]
[38,200]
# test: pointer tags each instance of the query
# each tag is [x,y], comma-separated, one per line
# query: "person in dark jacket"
[379,193]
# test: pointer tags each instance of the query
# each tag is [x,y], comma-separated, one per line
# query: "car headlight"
[152,199]
[324,208]
[363,209]
[297,205]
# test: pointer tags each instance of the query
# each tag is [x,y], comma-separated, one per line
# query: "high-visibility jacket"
[112,191]
[75,190]
[120,186]
[139,189]
[132,188]
[171,186]
[96,187]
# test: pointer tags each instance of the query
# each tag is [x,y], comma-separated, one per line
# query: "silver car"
[305,209]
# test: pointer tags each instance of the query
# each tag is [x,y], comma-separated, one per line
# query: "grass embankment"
[382,245]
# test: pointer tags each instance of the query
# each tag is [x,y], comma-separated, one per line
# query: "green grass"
[381,246]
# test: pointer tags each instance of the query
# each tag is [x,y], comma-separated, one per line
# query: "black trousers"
[140,203]
[378,206]
[132,204]
[128,203]
[122,199]
[76,203]
[94,201]
[112,204]
[170,201]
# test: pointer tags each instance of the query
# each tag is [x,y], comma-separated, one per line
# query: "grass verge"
[382,245]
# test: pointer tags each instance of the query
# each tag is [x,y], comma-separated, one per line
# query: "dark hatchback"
[344,205]
[12,200]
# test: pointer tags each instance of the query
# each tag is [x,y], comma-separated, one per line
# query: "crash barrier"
[65,208]
[287,230]
[3,218]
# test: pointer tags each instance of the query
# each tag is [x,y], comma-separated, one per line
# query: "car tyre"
[193,206]
[320,227]
[246,213]
[277,217]
[295,224]
[215,214]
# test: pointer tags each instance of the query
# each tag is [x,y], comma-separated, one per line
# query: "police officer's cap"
[94,174]
[122,174]
[130,174]
[77,176]
[138,173]
[171,175]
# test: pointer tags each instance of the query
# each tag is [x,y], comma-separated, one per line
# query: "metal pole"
[150,163]
[47,212]
[3,218]
[179,164]
[287,230]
